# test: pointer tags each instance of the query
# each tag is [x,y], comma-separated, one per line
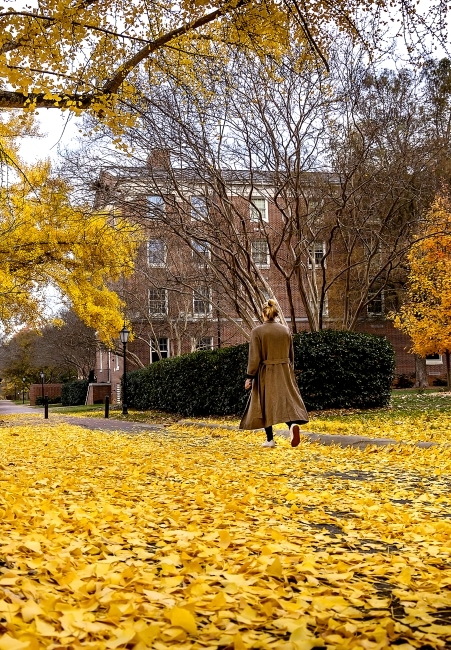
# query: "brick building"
[210,253]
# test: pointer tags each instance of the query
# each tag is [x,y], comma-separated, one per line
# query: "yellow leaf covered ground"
[193,538]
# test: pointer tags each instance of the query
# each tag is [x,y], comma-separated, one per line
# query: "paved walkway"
[360,442]
[7,408]
[102,424]
[111,424]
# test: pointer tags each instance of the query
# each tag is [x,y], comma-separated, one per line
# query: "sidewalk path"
[359,442]
[7,408]
[111,424]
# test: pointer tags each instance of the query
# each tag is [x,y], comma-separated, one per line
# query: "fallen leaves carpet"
[202,539]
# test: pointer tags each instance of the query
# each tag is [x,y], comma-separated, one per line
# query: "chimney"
[159,159]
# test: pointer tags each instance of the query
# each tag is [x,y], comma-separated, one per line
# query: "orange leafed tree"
[426,314]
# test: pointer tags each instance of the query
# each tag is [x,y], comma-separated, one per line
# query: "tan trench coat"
[275,395]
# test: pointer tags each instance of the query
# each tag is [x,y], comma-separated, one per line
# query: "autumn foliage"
[86,54]
[426,313]
[47,241]
[191,539]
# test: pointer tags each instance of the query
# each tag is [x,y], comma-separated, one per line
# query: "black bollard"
[107,406]
[46,408]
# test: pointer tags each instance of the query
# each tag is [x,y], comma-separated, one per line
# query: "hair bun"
[271,302]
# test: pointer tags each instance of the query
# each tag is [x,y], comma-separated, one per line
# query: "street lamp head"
[41,374]
[24,379]
[124,334]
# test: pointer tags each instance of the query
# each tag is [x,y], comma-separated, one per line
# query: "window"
[325,312]
[316,252]
[258,211]
[314,205]
[161,346]
[158,302]
[118,393]
[201,301]
[260,253]
[200,249]
[375,306]
[155,205]
[199,210]
[434,359]
[205,343]
[156,252]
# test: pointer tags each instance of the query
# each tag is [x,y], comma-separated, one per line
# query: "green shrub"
[200,383]
[52,400]
[74,393]
[344,369]
[337,370]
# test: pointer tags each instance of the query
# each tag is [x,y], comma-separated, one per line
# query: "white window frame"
[209,346]
[199,212]
[100,360]
[314,248]
[435,362]
[154,349]
[162,263]
[200,251]
[159,314]
[255,212]
[260,265]
[208,312]
[314,204]
[382,299]
[154,208]
[325,313]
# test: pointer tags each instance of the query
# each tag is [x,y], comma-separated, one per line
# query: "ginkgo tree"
[47,241]
[87,54]
[426,313]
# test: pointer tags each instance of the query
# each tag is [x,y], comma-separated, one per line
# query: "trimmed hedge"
[337,370]
[52,400]
[344,369]
[74,392]
[200,383]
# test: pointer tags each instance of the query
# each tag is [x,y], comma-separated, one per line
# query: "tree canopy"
[81,54]
[47,241]
[426,313]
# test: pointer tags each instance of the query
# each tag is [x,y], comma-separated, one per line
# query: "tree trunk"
[448,369]
[421,378]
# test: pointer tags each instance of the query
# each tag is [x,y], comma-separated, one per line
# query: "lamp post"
[41,374]
[124,334]
[23,389]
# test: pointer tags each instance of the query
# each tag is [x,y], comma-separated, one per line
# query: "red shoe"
[295,436]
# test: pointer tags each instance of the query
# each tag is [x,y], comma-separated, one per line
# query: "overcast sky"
[58,128]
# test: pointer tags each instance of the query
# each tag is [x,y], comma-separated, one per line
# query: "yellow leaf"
[181,617]
[30,610]
[33,546]
[124,637]
[238,643]
[9,643]
[218,601]
[405,577]
[275,569]
[302,639]
[148,634]
[45,629]
[224,538]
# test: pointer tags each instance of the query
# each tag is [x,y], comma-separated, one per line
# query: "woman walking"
[275,395]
